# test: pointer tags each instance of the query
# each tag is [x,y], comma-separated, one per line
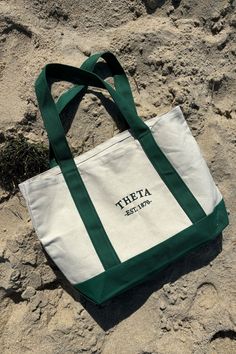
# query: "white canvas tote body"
[124,210]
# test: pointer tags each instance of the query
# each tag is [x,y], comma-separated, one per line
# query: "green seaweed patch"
[21,159]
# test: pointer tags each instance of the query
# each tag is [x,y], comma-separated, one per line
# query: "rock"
[173,299]
[224,108]
[34,280]
[162,305]
[215,16]
[170,10]
[13,246]
[233,22]
[29,257]
[11,129]
[35,315]
[28,293]
[15,275]
[167,289]
[75,24]
[47,275]
[86,51]
[217,27]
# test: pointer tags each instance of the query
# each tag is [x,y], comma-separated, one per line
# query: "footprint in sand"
[206,298]
[223,342]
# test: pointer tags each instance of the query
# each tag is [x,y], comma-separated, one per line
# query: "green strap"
[121,83]
[61,104]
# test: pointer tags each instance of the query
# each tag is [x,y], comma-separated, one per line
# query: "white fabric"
[112,171]
[175,139]
[59,228]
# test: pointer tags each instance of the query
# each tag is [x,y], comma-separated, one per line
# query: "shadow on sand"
[153,5]
[114,311]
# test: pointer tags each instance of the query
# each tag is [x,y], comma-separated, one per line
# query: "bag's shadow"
[122,306]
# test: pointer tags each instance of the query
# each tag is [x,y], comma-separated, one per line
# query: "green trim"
[137,269]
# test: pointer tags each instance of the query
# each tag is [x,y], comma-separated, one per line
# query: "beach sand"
[174,53]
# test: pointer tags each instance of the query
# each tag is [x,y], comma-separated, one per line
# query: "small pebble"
[173,299]
[175,327]
[15,274]
[28,293]
[167,288]
[162,305]
[35,280]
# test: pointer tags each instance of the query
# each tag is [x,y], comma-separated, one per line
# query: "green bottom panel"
[137,269]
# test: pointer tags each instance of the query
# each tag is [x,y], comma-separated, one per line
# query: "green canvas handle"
[121,81]
[121,84]
[50,114]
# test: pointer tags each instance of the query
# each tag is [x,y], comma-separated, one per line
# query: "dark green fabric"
[120,81]
[137,269]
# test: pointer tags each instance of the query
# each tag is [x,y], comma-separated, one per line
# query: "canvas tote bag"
[119,213]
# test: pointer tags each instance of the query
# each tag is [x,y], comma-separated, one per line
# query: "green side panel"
[137,269]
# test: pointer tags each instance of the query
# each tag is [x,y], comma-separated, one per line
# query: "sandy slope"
[176,53]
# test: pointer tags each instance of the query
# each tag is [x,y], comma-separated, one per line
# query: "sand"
[175,53]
